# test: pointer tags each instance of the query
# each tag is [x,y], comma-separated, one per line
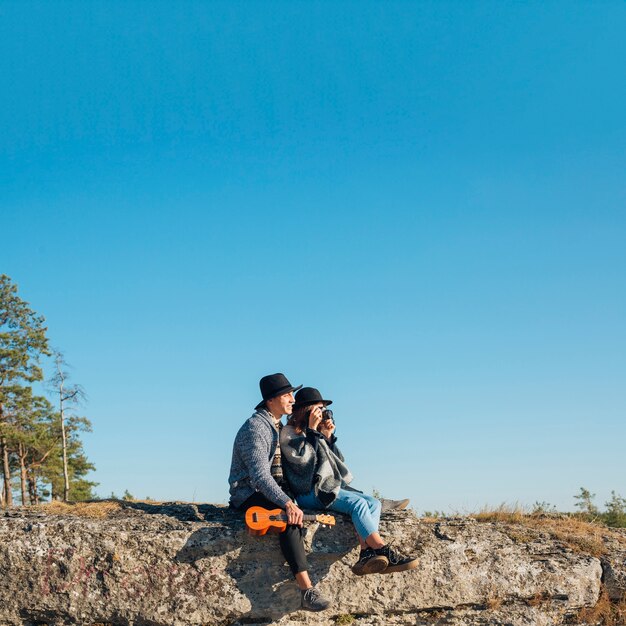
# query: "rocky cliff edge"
[180,564]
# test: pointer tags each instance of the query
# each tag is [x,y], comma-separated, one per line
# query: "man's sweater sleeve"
[255,449]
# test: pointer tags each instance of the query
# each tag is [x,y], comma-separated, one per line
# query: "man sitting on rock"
[256,478]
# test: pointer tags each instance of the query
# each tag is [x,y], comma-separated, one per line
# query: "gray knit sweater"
[253,451]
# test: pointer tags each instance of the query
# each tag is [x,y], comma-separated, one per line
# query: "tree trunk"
[66,478]
[32,487]
[22,454]
[31,491]
[4,450]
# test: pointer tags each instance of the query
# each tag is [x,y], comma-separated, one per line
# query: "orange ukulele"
[259,520]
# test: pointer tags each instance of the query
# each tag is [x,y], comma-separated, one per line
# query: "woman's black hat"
[274,385]
[309,395]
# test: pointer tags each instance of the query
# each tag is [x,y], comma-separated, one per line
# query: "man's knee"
[291,531]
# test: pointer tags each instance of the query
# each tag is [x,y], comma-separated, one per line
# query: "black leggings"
[291,543]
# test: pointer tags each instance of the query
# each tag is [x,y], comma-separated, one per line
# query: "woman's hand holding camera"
[327,428]
[315,417]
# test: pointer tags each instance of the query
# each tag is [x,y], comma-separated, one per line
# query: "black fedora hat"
[274,385]
[309,395]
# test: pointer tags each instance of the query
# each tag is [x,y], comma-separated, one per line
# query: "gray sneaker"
[313,600]
[393,505]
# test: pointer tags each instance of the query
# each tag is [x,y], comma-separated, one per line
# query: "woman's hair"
[300,418]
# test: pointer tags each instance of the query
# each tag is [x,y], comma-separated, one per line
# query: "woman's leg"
[365,513]
[365,519]
[309,501]
[375,506]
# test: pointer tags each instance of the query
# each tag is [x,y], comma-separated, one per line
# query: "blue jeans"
[364,509]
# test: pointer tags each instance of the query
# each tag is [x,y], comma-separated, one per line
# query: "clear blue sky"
[417,207]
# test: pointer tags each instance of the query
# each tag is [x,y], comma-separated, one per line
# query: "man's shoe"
[370,563]
[397,562]
[313,600]
[393,505]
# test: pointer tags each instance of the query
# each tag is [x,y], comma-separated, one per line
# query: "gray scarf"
[331,474]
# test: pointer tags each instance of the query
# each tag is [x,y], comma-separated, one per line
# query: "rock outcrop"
[186,564]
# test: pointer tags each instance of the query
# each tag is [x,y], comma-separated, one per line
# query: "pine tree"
[585,503]
[24,415]
[42,444]
[22,342]
[51,472]
[69,397]
[615,514]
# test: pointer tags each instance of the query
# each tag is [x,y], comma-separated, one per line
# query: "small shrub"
[615,514]
[585,503]
[543,508]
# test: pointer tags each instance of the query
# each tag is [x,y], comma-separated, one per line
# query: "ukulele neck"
[306,518]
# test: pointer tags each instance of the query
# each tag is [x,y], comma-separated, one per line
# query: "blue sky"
[417,207]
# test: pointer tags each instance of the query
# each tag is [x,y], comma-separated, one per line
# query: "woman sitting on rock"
[319,478]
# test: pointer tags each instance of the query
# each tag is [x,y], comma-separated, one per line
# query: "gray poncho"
[310,465]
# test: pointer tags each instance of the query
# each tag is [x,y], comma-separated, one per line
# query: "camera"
[327,414]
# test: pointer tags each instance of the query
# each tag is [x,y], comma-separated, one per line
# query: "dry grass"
[605,612]
[577,534]
[493,604]
[520,534]
[504,513]
[97,510]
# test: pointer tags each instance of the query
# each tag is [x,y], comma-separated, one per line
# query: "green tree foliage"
[543,508]
[31,431]
[127,496]
[585,503]
[22,342]
[615,513]
[29,438]
[69,397]
[78,465]
[22,337]
[34,434]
